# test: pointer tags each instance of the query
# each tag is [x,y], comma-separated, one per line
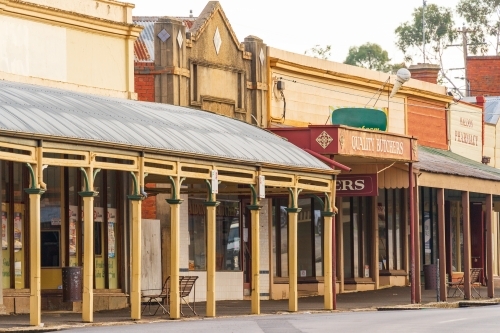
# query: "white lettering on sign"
[466,138]
[347,184]
[377,145]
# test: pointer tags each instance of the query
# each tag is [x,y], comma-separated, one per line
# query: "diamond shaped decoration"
[324,139]
[163,35]
[180,39]
[217,40]
[262,57]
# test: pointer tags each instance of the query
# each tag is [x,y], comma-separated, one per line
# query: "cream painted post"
[135,290]
[489,245]
[211,254]
[327,258]
[175,217]
[467,254]
[88,245]
[35,271]
[255,222]
[211,205]
[292,211]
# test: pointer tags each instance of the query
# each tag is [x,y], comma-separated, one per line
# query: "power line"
[367,97]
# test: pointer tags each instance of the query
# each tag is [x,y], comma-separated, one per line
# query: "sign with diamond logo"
[324,139]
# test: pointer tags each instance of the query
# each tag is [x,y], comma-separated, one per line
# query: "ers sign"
[357,185]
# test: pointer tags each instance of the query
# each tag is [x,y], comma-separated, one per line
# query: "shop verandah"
[72,153]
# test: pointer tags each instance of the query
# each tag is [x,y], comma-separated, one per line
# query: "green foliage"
[320,52]
[483,18]
[439,31]
[368,55]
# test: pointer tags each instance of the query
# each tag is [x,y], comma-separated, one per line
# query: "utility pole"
[423,28]
[464,46]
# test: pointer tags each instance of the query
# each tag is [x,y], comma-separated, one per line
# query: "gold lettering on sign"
[359,143]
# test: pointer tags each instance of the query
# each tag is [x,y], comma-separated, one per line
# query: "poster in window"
[72,229]
[18,230]
[427,232]
[5,242]
[111,232]
[98,211]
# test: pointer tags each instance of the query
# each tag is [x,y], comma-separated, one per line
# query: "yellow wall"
[67,50]
[312,85]
[108,66]
[105,9]
[489,144]
[51,278]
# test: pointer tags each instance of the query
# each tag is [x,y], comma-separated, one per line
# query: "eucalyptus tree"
[483,19]
[439,31]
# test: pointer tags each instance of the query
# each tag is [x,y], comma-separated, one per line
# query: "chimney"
[425,72]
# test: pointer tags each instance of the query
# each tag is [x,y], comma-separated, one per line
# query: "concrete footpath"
[395,298]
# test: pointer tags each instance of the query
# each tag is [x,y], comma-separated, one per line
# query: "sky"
[298,26]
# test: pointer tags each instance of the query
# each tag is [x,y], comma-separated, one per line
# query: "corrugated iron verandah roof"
[47,112]
[443,161]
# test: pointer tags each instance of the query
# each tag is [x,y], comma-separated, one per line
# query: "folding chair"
[475,274]
[456,286]
[158,297]
[186,284]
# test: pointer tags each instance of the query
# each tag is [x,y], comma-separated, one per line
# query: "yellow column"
[327,259]
[35,295]
[175,311]
[88,256]
[292,211]
[211,219]
[255,222]
[135,283]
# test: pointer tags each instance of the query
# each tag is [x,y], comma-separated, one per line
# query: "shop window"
[14,223]
[392,217]
[228,235]
[356,233]
[50,245]
[309,238]
[428,225]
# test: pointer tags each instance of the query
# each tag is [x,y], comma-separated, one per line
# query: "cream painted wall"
[308,100]
[206,77]
[105,9]
[497,146]
[35,52]
[30,48]
[466,131]
[489,144]
[96,60]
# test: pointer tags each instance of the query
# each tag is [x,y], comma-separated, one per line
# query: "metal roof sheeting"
[492,110]
[43,111]
[144,45]
[444,161]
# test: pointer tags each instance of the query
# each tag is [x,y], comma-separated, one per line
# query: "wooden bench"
[158,297]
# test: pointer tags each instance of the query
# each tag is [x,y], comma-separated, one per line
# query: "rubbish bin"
[72,284]
[430,276]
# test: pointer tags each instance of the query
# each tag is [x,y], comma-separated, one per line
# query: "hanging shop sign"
[357,185]
[365,118]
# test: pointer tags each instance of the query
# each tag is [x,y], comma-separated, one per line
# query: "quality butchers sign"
[377,145]
[357,185]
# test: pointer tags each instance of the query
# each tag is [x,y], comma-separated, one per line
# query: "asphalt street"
[482,319]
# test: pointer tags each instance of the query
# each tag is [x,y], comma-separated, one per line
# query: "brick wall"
[484,75]
[427,122]
[144,81]
[149,206]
